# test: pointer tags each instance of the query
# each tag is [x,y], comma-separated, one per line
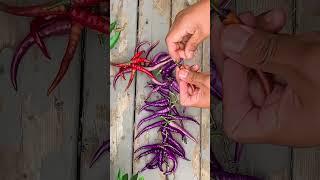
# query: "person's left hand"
[194,86]
[190,27]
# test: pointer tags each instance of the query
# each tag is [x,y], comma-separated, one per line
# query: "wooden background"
[150,20]
[268,161]
[50,138]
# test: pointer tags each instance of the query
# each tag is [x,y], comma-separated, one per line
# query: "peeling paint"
[196,161]
[118,121]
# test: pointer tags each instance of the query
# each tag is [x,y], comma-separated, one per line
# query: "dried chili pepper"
[69,54]
[57,28]
[35,26]
[88,19]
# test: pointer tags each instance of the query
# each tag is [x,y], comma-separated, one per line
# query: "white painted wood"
[121,101]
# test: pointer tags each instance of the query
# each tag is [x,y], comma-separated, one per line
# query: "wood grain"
[121,101]
[39,133]
[154,23]
[95,108]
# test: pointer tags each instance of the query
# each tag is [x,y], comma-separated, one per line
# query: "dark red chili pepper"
[51,8]
[131,78]
[70,51]
[35,26]
[88,19]
[57,28]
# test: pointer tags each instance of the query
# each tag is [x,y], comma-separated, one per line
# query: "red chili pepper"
[139,60]
[69,54]
[133,72]
[57,28]
[137,55]
[51,8]
[37,24]
[90,20]
[141,69]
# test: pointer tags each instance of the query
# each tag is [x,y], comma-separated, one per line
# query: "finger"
[195,78]
[261,50]
[243,120]
[248,18]
[192,45]
[175,35]
[272,21]
[184,94]
[195,67]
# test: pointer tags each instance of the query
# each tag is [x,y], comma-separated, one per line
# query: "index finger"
[174,37]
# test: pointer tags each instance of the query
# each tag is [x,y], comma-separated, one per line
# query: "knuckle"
[192,76]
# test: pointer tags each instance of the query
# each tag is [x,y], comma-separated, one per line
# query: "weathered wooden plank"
[205,120]
[95,118]
[306,161]
[121,101]
[272,162]
[39,139]
[189,169]
[154,22]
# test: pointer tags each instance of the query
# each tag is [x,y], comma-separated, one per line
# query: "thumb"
[192,77]
[192,45]
[274,53]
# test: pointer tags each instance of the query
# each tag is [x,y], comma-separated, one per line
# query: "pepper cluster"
[163,111]
[58,17]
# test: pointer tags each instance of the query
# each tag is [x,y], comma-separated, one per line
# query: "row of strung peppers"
[59,17]
[168,120]
[164,110]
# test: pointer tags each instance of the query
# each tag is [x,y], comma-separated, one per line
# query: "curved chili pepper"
[105,146]
[57,28]
[88,19]
[69,54]
[51,8]
[35,26]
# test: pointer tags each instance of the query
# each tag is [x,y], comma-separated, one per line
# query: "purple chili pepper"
[103,148]
[147,153]
[151,126]
[151,48]
[153,116]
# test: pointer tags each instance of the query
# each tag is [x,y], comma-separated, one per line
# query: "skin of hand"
[194,86]
[290,114]
[190,27]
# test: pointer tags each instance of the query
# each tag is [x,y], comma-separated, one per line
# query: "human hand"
[290,114]
[194,86]
[190,27]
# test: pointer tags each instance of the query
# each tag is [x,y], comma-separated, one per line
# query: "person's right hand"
[290,114]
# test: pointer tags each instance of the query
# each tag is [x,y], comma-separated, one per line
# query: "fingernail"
[235,37]
[183,74]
